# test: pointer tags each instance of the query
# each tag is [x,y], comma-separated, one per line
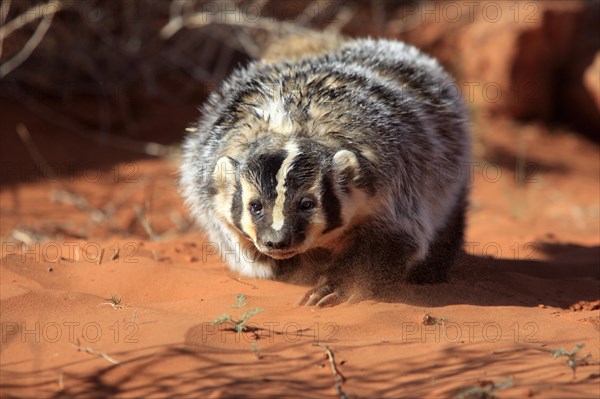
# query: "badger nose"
[282,244]
[277,240]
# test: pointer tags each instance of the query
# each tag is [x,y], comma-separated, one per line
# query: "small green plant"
[429,320]
[240,324]
[113,301]
[572,360]
[485,390]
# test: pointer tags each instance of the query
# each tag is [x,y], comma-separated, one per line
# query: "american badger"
[351,167]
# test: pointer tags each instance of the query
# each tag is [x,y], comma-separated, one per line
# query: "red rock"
[526,59]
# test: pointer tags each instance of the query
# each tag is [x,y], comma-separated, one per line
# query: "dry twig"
[337,376]
[236,18]
[34,153]
[4,8]
[145,222]
[99,259]
[89,350]
[44,11]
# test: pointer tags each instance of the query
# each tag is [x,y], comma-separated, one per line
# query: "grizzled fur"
[353,165]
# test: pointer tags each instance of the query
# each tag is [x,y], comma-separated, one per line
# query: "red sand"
[533,256]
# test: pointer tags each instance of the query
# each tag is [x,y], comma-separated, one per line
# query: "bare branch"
[35,153]
[337,376]
[33,41]
[44,11]
[238,18]
[93,352]
[4,8]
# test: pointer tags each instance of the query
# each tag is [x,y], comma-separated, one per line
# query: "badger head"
[288,198]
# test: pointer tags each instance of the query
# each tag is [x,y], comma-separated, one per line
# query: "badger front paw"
[325,293]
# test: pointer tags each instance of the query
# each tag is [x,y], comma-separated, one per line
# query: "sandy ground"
[528,283]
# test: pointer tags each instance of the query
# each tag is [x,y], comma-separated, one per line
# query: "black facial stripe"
[237,207]
[301,175]
[264,170]
[330,204]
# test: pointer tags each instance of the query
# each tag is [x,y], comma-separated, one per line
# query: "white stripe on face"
[293,151]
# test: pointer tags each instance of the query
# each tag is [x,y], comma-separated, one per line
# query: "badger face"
[288,199]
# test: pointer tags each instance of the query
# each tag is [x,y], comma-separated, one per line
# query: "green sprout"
[239,324]
[572,361]
[113,301]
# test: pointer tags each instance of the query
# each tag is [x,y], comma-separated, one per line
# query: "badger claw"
[322,295]
[329,300]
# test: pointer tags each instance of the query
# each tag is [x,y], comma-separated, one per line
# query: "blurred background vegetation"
[131,74]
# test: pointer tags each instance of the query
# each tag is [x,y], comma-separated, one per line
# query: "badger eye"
[256,207]
[307,204]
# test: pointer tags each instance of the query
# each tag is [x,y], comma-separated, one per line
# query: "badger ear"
[225,171]
[345,165]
